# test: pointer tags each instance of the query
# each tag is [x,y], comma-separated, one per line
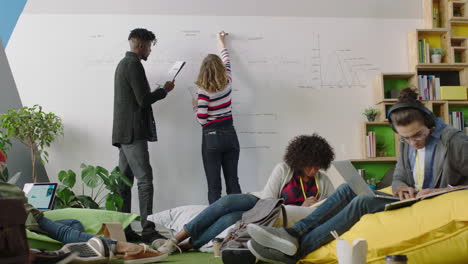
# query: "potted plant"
[457,11]
[437,54]
[371,113]
[372,182]
[94,179]
[380,148]
[34,128]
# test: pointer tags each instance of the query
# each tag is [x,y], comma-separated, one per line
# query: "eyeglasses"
[416,137]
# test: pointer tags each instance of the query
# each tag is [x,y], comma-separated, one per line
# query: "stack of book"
[423,51]
[457,120]
[429,87]
[370,145]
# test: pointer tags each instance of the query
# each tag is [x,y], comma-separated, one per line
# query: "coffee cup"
[217,247]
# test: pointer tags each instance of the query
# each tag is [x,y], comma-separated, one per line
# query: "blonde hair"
[212,77]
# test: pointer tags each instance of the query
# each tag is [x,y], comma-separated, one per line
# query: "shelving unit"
[387,85]
[375,168]
[384,135]
[446,27]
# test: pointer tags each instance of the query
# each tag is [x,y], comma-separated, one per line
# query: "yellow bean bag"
[430,231]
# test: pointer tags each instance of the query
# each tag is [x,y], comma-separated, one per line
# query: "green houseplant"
[437,54]
[380,149]
[372,182]
[34,128]
[95,180]
[371,113]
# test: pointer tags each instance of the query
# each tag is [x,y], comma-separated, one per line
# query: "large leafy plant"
[95,180]
[34,128]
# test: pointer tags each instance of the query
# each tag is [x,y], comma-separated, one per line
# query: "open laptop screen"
[41,195]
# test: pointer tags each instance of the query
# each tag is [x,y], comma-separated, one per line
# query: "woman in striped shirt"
[220,146]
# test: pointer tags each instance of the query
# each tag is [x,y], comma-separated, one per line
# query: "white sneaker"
[169,246]
[158,243]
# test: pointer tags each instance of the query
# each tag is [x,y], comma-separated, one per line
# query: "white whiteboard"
[290,76]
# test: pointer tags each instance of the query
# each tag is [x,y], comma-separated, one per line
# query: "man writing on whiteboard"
[134,126]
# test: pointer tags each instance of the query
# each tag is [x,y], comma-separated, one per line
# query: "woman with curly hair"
[298,180]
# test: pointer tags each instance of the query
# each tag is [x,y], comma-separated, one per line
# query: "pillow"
[91,219]
[174,219]
[430,231]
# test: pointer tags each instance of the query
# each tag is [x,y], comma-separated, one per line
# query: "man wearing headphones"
[433,157]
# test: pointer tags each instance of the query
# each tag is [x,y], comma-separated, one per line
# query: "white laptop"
[356,182]
[41,195]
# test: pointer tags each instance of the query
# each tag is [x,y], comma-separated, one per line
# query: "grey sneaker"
[275,238]
[269,255]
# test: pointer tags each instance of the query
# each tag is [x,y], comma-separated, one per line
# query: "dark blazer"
[133,115]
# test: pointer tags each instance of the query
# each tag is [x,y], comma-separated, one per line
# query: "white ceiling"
[401,9]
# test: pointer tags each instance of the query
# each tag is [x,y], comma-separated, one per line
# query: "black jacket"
[133,115]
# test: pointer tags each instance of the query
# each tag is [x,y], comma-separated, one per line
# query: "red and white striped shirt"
[216,107]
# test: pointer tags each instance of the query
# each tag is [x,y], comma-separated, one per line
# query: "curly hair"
[309,150]
[143,35]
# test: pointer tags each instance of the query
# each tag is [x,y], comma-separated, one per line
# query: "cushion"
[91,219]
[174,219]
[430,231]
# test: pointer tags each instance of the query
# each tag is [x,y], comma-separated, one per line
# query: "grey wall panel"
[18,157]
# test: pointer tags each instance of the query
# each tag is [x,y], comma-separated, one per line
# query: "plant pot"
[371,118]
[381,154]
[436,58]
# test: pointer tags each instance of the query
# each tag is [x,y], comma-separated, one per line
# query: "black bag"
[234,247]
[14,247]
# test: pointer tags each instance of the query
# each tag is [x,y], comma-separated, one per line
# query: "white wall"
[292,75]
[19,157]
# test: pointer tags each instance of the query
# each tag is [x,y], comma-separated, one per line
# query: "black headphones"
[429,118]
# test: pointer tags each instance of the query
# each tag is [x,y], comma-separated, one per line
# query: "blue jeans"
[339,212]
[217,217]
[220,149]
[67,231]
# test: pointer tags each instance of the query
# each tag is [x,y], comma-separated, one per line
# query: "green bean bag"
[91,219]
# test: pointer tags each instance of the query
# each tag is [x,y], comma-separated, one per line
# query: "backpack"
[234,246]
[13,243]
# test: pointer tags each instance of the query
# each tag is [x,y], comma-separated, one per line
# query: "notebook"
[41,195]
[408,202]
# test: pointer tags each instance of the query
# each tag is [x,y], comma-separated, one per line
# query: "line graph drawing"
[341,68]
